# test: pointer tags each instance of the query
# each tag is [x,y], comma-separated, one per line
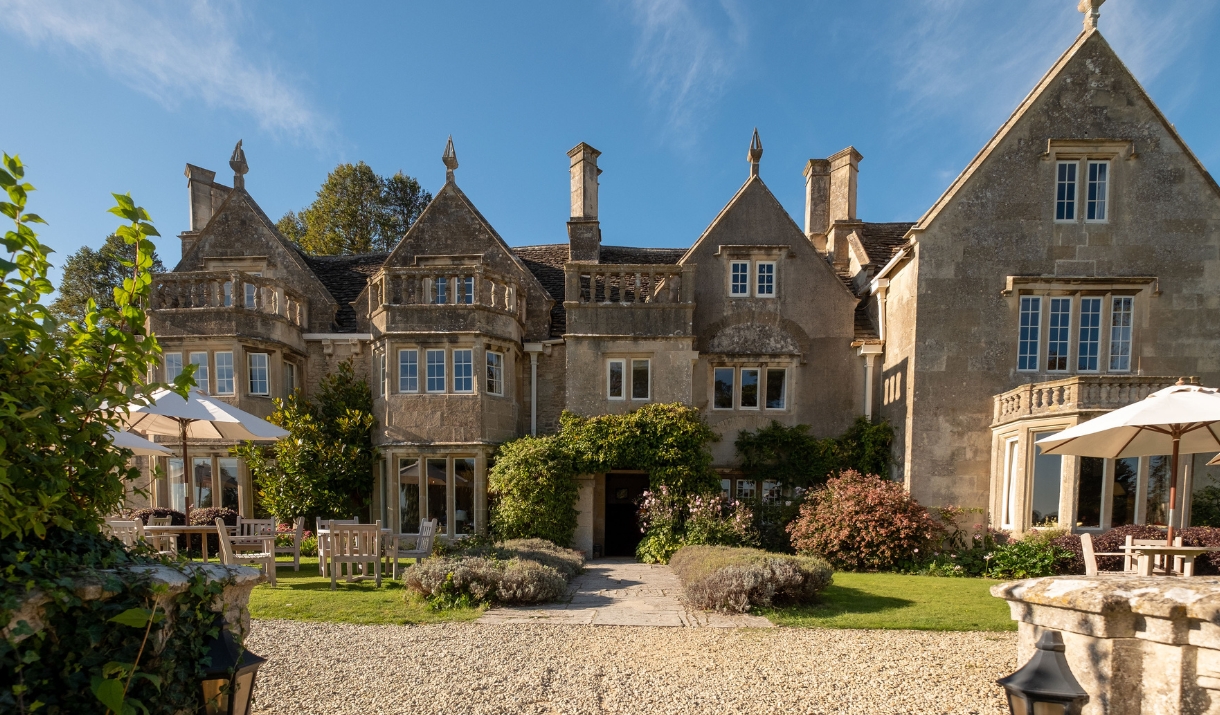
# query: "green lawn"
[305,596]
[886,600]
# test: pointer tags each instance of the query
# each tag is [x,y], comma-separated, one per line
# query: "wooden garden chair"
[1090,556]
[298,533]
[357,546]
[229,557]
[324,540]
[422,548]
[256,535]
[127,531]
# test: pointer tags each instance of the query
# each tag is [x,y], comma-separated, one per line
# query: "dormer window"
[1082,176]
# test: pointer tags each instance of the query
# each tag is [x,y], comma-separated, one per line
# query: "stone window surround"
[1137,287]
[762,367]
[1024,434]
[388,498]
[754,255]
[478,348]
[250,355]
[627,360]
[487,374]
[163,499]
[1082,151]
[212,348]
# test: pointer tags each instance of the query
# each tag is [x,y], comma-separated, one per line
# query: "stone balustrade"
[1079,393]
[447,286]
[228,290]
[629,284]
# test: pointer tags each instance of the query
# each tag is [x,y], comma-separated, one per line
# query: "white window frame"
[1096,331]
[624,380]
[428,377]
[753,489]
[220,378]
[228,291]
[1128,339]
[758,283]
[766,372]
[266,368]
[648,365]
[290,371]
[741,383]
[1036,340]
[1050,313]
[732,388]
[733,292]
[465,295]
[384,364]
[173,364]
[440,290]
[1074,202]
[495,373]
[469,364]
[1008,504]
[201,372]
[404,381]
[251,296]
[1104,200]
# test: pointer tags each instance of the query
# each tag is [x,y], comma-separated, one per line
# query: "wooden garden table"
[177,530]
[1145,556]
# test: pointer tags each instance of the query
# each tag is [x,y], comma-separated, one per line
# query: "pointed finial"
[238,163]
[1090,8]
[755,155]
[450,159]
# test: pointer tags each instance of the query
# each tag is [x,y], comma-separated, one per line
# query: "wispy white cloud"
[175,52]
[1151,37]
[685,55]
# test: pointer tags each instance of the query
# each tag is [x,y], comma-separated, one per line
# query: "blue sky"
[118,96]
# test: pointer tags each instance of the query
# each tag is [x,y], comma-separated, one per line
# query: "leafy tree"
[324,467]
[792,456]
[61,387]
[356,211]
[91,274]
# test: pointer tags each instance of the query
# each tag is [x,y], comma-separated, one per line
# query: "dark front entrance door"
[623,492]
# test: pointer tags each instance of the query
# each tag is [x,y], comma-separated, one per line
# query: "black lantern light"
[1045,685]
[228,686]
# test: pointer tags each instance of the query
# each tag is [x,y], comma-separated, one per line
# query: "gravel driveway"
[545,668]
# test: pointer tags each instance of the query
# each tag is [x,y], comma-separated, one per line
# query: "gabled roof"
[883,240]
[1051,75]
[345,277]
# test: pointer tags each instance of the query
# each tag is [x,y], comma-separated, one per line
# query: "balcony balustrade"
[1077,394]
[228,290]
[474,286]
[629,299]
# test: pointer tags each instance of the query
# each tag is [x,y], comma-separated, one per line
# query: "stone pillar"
[1136,644]
[582,540]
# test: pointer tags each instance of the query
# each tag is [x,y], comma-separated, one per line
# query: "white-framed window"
[290,378]
[1059,325]
[739,278]
[615,379]
[722,388]
[1031,327]
[1097,200]
[771,491]
[173,366]
[746,489]
[495,373]
[408,371]
[466,290]
[747,396]
[228,294]
[641,379]
[256,363]
[1090,334]
[1065,191]
[440,290]
[384,373]
[200,361]
[463,371]
[224,373]
[436,370]
[1011,480]
[777,388]
[251,295]
[764,284]
[726,485]
[1120,333]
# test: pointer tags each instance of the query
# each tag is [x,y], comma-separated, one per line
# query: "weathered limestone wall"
[586,368]
[1136,644]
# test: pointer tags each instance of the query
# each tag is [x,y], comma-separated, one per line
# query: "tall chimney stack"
[817,202]
[844,167]
[584,230]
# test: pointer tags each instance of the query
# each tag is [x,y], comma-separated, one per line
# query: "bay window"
[256,364]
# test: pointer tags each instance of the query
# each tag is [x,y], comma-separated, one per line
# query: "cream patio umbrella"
[137,444]
[1179,419]
[198,417]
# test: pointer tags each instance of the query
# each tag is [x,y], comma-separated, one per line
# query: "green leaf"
[154,679]
[109,691]
[137,617]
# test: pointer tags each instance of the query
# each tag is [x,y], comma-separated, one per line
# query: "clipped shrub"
[864,522]
[737,579]
[176,518]
[1205,564]
[533,484]
[474,580]
[1035,555]
[525,581]
[207,516]
[567,562]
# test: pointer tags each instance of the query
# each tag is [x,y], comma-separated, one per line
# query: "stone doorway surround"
[621,592]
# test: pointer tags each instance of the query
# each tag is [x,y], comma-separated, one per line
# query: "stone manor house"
[1071,268]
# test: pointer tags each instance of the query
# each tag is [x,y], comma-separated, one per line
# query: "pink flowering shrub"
[669,522]
[859,522]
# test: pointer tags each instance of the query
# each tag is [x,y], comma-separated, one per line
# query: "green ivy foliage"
[61,388]
[325,465]
[533,481]
[793,457]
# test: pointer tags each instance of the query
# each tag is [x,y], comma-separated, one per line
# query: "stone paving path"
[621,592]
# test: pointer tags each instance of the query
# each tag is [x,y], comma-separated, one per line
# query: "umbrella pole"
[1173,488]
[186,468]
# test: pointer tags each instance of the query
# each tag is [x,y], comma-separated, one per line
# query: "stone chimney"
[817,202]
[584,230]
[205,197]
[844,167]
